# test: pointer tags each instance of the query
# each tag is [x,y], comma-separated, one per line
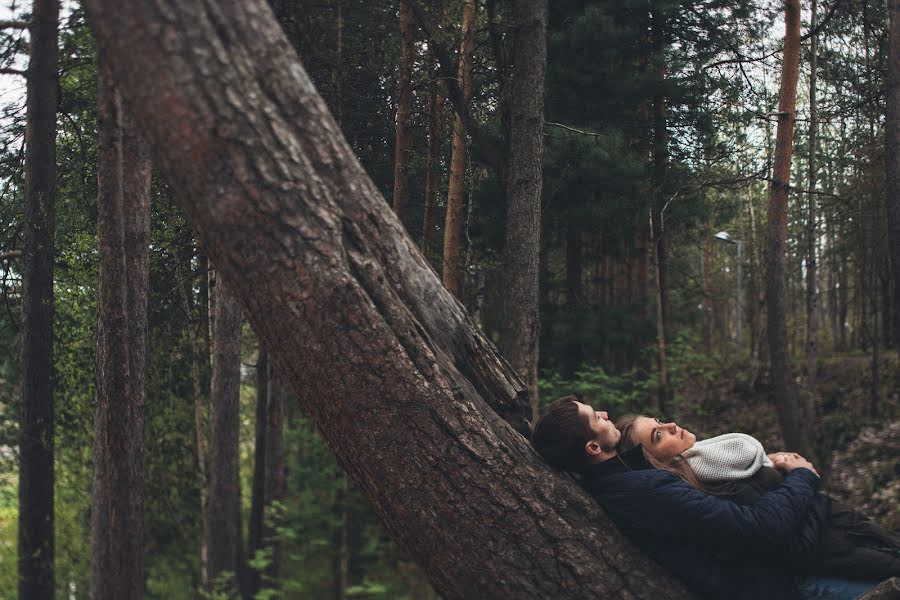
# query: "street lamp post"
[724,236]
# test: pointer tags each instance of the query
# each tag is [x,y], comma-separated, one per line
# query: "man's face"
[605,433]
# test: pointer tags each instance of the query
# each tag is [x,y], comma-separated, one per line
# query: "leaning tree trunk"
[393,372]
[404,111]
[794,423]
[35,542]
[453,220]
[224,544]
[117,509]
[892,157]
[525,144]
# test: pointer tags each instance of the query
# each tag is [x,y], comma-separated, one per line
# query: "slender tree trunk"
[522,245]
[389,338]
[258,495]
[812,291]
[705,259]
[794,421]
[35,541]
[574,294]
[432,160]
[660,165]
[200,408]
[404,112]
[275,474]
[892,156]
[456,194]
[663,390]
[117,512]
[224,544]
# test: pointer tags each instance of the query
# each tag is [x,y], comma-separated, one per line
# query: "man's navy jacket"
[720,549]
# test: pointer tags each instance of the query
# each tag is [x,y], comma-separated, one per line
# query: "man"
[718,548]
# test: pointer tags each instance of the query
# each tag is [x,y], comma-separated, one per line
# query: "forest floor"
[857,449]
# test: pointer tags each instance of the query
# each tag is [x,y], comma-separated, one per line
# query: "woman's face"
[664,441]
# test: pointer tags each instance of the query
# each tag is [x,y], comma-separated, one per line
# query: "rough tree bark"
[456,192]
[309,245]
[892,155]
[117,509]
[812,286]
[35,542]
[790,412]
[525,144]
[224,544]
[404,111]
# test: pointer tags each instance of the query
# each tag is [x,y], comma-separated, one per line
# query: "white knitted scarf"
[726,457]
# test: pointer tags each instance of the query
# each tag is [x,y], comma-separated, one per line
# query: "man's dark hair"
[561,433]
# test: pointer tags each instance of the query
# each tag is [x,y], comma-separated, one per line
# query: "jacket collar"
[630,460]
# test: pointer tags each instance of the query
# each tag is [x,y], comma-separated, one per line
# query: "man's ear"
[596,451]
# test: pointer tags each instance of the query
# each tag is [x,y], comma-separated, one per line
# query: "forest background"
[658,141]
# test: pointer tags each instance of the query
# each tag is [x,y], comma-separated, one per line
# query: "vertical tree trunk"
[224,509]
[404,111]
[275,472]
[574,272]
[35,541]
[117,514]
[794,421]
[706,242]
[432,159]
[200,410]
[812,291]
[663,390]
[660,164]
[452,269]
[522,244]
[892,156]
[258,497]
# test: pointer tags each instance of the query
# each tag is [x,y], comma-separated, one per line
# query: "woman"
[834,539]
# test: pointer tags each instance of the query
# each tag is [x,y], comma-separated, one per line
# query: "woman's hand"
[788,461]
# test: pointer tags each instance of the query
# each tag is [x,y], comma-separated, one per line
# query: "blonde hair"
[677,465]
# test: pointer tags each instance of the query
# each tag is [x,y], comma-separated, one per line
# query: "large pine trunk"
[385,360]
[117,509]
[453,220]
[790,413]
[525,145]
[257,495]
[37,415]
[892,156]
[224,541]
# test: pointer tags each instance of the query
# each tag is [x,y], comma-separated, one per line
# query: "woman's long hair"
[678,466]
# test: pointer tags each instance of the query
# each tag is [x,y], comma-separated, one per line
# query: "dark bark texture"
[790,413]
[892,155]
[224,545]
[525,145]
[389,367]
[117,510]
[37,415]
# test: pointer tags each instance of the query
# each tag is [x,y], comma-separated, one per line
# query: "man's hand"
[788,461]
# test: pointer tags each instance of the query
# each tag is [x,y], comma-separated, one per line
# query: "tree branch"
[10,254]
[11,71]
[14,24]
